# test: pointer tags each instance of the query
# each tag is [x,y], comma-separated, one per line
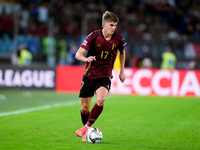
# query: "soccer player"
[101,47]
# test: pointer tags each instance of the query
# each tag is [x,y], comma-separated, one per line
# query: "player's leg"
[101,93]
[102,87]
[85,109]
[86,94]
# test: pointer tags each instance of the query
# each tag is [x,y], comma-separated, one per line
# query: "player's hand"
[122,77]
[90,59]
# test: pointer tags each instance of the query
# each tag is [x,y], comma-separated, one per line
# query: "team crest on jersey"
[84,43]
[113,46]
[99,45]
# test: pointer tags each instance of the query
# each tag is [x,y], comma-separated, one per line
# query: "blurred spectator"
[62,51]
[24,17]
[43,12]
[6,23]
[192,65]
[24,56]
[172,34]
[168,59]
[147,59]
[147,63]
[135,61]
[8,7]
[71,60]
[49,46]
[49,50]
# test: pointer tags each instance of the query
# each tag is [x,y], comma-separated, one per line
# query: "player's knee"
[100,101]
[85,110]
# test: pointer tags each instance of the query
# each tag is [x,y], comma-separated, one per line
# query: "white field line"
[70,103]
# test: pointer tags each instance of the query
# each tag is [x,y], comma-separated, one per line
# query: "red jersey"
[105,52]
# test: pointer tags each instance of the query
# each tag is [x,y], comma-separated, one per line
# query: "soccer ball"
[94,135]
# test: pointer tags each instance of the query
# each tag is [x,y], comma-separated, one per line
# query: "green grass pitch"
[48,120]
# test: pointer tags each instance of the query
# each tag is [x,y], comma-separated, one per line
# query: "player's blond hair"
[109,17]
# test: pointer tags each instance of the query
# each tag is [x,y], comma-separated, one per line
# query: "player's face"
[110,27]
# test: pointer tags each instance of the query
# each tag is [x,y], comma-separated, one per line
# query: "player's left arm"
[80,56]
[122,57]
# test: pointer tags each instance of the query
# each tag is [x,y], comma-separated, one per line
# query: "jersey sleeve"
[86,43]
[122,45]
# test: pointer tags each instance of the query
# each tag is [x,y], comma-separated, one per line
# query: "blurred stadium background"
[152,24]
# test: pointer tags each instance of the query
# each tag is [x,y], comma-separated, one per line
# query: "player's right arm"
[122,57]
[80,56]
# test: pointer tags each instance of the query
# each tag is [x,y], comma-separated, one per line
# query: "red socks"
[95,112]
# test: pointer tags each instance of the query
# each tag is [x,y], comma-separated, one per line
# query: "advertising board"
[27,77]
[138,81]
